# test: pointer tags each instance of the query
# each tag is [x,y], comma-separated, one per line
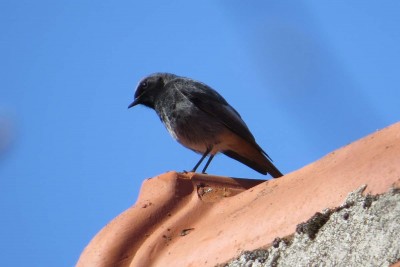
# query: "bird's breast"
[190,126]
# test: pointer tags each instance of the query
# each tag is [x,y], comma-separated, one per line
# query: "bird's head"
[149,88]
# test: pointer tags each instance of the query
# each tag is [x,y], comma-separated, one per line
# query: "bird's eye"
[144,84]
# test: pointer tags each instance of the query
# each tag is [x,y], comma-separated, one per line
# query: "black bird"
[200,119]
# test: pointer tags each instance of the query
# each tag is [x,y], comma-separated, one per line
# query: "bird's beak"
[134,103]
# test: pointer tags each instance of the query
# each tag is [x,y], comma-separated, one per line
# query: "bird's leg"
[201,160]
[208,163]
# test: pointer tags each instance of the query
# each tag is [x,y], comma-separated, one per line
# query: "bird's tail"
[257,162]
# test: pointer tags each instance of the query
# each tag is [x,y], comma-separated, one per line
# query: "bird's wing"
[211,102]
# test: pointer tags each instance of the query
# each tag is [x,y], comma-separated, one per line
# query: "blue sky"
[307,77]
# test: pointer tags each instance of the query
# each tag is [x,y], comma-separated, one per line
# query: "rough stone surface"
[364,231]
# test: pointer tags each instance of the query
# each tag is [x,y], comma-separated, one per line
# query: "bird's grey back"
[211,102]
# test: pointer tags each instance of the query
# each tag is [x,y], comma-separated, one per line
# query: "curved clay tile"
[204,220]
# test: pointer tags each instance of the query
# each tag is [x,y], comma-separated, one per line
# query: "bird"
[199,118]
